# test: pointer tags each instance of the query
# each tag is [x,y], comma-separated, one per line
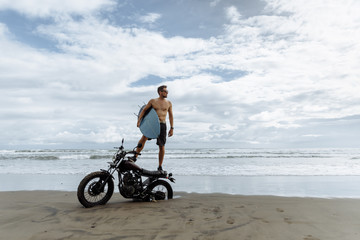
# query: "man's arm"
[171,119]
[149,105]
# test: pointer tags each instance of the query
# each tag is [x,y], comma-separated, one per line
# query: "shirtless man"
[162,107]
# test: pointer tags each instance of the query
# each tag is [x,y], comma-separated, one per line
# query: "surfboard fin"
[137,115]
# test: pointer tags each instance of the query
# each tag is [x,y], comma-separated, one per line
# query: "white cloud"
[53,8]
[311,135]
[300,65]
[123,55]
[214,3]
[233,15]
[150,18]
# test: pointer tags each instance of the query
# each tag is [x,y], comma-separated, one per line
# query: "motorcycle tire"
[160,190]
[91,192]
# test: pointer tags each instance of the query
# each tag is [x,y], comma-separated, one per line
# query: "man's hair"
[161,88]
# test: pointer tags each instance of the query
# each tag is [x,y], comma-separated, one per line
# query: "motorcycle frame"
[118,160]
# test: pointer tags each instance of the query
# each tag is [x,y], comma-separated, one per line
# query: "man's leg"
[161,155]
[161,140]
[142,141]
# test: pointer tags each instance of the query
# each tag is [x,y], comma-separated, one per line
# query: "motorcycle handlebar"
[130,152]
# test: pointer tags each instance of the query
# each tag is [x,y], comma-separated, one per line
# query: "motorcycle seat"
[153,173]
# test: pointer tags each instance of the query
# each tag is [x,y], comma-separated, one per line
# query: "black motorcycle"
[97,187]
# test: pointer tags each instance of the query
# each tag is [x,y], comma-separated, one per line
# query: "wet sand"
[58,215]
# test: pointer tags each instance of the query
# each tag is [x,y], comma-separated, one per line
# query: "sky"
[240,73]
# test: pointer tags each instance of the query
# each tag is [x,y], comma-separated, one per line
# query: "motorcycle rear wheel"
[92,191]
[160,190]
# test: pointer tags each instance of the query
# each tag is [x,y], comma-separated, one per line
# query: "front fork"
[109,175]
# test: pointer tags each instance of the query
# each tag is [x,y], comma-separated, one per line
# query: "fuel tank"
[129,165]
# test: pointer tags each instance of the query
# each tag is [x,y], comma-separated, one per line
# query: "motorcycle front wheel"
[93,190]
[160,190]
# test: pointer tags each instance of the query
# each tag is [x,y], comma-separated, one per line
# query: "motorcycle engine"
[130,184]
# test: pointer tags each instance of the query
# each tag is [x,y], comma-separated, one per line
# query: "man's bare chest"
[161,106]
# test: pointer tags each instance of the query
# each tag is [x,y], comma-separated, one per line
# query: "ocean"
[234,171]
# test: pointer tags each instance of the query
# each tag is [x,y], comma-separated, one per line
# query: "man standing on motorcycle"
[162,106]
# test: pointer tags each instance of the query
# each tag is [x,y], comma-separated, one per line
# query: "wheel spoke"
[160,189]
[93,190]
[91,193]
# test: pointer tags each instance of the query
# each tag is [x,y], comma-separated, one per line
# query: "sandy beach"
[58,215]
